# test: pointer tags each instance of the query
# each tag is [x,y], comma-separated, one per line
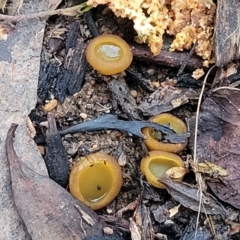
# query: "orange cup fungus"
[156,164]
[109,54]
[153,138]
[96,180]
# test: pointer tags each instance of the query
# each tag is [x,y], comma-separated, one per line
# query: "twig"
[165,57]
[71,11]
[198,175]
[186,60]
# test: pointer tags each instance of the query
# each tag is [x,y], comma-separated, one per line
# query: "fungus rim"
[154,145]
[113,67]
[86,162]
[158,155]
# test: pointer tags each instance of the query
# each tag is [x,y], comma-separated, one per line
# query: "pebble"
[71,151]
[83,115]
[108,230]
[134,93]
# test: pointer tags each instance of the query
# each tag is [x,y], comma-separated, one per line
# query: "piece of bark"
[165,57]
[227,32]
[47,209]
[72,72]
[122,95]
[18,87]
[56,157]
[47,74]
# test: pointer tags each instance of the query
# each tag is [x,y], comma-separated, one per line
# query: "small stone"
[108,230]
[92,82]
[150,71]
[71,151]
[94,147]
[122,160]
[134,93]
[109,210]
[83,115]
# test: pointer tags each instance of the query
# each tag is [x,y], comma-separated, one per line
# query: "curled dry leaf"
[210,168]
[135,234]
[189,197]
[173,211]
[176,172]
[47,209]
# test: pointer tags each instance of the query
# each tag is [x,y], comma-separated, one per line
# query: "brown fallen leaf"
[235,228]
[189,197]
[218,141]
[47,209]
[165,99]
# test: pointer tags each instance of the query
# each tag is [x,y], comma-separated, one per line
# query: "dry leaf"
[218,141]
[58,32]
[211,169]
[173,211]
[135,234]
[189,197]
[166,99]
[235,228]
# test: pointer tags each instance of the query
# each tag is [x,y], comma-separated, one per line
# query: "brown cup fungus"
[109,54]
[153,138]
[96,180]
[156,164]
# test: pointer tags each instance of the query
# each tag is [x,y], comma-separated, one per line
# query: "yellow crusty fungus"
[96,180]
[109,54]
[153,138]
[187,20]
[156,164]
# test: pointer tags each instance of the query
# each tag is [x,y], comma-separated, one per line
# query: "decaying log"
[227,32]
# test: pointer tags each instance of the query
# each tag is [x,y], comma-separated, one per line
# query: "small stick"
[165,57]
[186,61]
[198,175]
[71,11]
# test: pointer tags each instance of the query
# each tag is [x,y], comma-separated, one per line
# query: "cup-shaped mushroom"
[109,54]
[153,139]
[96,180]
[156,164]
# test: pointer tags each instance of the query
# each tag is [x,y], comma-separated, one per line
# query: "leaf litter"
[189,197]
[212,211]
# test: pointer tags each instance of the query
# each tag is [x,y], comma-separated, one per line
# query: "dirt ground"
[146,206]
